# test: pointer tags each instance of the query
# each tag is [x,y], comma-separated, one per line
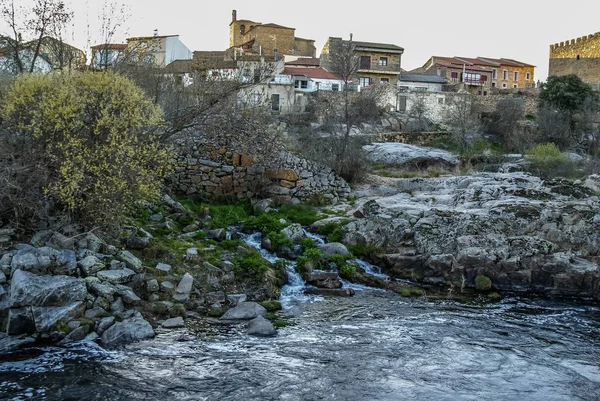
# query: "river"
[374,346]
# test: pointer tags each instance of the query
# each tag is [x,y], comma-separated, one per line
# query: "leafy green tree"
[92,137]
[566,93]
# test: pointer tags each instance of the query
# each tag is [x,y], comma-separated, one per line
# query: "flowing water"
[373,346]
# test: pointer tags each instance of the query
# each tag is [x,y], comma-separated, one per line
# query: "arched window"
[242,29]
[578,57]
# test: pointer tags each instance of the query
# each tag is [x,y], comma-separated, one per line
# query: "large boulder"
[334,248]
[45,260]
[132,329]
[46,318]
[245,311]
[261,327]
[401,154]
[28,289]
[119,276]
[294,232]
[323,279]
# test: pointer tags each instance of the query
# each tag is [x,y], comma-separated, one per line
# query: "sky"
[521,30]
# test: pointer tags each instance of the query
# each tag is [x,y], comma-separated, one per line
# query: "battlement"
[585,46]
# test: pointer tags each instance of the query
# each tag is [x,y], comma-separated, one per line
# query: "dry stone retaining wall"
[285,178]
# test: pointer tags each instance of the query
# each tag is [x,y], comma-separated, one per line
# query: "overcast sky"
[518,29]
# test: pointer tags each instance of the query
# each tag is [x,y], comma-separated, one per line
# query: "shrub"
[251,264]
[483,283]
[87,142]
[333,231]
[338,260]
[347,271]
[266,222]
[308,243]
[364,250]
[279,240]
[312,256]
[548,161]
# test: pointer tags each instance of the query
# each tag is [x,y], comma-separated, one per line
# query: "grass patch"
[333,230]
[279,240]
[308,243]
[347,271]
[222,215]
[271,306]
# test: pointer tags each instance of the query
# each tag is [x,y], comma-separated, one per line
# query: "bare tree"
[418,111]
[27,28]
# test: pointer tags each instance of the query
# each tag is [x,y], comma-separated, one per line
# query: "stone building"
[250,37]
[579,56]
[379,62]
[158,50]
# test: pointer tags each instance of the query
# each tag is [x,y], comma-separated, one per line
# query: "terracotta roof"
[454,62]
[180,66]
[111,46]
[306,61]
[313,73]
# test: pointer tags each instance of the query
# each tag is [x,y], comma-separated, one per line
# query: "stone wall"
[422,138]
[579,56]
[285,178]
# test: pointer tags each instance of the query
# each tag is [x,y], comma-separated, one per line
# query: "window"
[454,76]
[471,78]
[484,93]
[515,86]
[335,87]
[365,81]
[420,89]
[516,76]
[505,75]
[298,84]
[493,84]
[504,86]
[528,76]
[440,100]
[494,74]
[242,29]
[365,62]
[383,61]
[385,80]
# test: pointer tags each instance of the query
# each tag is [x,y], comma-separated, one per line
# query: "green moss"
[216,312]
[483,283]
[178,310]
[223,214]
[494,296]
[282,323]
[301,214]
[231,244]
[333,230]
[405,292]
[266,222]
[271,306]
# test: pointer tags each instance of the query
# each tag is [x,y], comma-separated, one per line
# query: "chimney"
[155,32]
[350,37]
[233,15]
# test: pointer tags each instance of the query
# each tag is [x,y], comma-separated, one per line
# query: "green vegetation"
[338,260]
[271,306]
[266,222]
[216,312]
[88,142]
[494,297]
[222,215]
[483,283]
[308,243]
[279,240]
[347,271]
[177,310]
[568,93]
[333,230]
[548,161]
[251,265]
[310,256]
[364,250]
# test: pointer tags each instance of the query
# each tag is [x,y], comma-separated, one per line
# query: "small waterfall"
[315,237]
[372,270]
[294,290]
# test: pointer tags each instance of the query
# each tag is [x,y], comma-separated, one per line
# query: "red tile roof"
[315,73]
[308,61]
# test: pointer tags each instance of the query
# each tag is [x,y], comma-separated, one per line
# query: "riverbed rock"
[244,311]
[76,335]
[334,248]
[10,344]
[45,260]
[184,288]
[294,232]
[132,329]
[104,324]
[173,323]
[90,265]
[323,279]
[131,261]
[28,289]
[400,154]
[120,276]
[46,318]
[261,327]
